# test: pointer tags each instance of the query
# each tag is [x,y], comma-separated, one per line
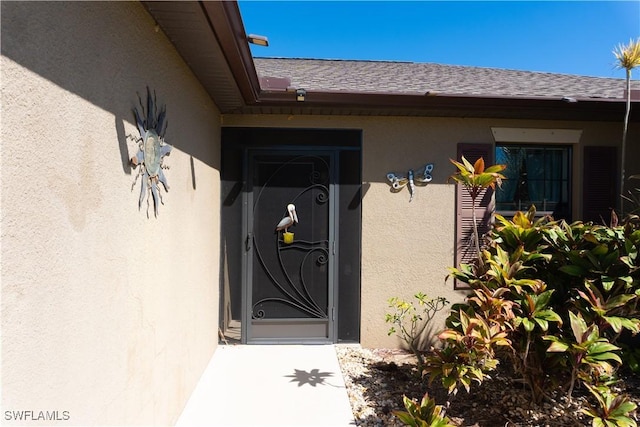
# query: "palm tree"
[628,57]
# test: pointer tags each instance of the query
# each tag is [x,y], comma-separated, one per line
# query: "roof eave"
[225,22]
[452,104]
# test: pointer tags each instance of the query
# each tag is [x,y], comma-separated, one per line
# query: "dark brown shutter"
[465,252]
[599,183]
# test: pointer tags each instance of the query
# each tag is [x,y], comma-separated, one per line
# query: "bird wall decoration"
[290,219]
[422,177]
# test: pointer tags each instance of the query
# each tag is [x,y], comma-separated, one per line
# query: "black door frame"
[346,147]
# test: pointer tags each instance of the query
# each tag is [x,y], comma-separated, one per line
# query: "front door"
[290,272]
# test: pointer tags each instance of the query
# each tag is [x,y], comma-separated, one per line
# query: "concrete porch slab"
[270,385]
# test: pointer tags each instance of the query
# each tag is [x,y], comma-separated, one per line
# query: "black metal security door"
[289,278]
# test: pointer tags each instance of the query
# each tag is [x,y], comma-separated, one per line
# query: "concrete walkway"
[270,385]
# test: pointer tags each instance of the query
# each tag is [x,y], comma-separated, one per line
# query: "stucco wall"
[108,317]
[407,247]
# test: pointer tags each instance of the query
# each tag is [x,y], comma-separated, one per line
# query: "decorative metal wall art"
[286,222]
[152,149]
[293,275]
[398,182]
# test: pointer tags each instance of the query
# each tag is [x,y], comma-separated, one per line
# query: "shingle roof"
[411,78]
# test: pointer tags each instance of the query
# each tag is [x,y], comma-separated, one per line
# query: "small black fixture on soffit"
[300,95]
[258,40]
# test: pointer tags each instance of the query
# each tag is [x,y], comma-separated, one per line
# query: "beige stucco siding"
[106,314]
[407,247]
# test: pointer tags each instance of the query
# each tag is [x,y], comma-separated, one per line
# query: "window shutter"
[465,251]
[599,183]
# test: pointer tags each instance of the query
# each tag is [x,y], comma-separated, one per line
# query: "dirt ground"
[500,401]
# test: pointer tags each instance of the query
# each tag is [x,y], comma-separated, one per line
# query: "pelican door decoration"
[286,222]
[398,182]
[152,149]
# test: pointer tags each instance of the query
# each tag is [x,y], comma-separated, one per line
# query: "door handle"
[247,242]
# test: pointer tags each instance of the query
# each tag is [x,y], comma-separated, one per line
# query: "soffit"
[189,29]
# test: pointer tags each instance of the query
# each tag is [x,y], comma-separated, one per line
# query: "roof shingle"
[326,75]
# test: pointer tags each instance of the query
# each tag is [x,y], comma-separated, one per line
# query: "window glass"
[535,175]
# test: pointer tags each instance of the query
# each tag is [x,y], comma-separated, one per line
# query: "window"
[537,175]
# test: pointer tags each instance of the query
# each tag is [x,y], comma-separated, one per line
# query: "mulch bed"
[377,379]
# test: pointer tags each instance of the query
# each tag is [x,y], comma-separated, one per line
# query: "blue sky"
[573,37]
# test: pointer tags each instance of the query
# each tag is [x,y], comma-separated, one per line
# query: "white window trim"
[533,136]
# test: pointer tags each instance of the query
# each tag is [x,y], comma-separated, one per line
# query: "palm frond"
[628,56]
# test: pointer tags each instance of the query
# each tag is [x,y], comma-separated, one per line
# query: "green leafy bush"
[552,298]
[425,414]
[590,354]
[612,410]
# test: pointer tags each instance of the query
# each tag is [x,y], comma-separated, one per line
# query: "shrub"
[409,321]
[551,297]
[612,410]
[425,414]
